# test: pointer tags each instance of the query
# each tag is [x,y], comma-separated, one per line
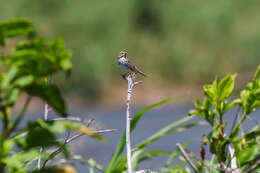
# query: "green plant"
[25,69]
[117,163]
[233,151]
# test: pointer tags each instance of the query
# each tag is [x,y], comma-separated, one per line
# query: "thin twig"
[186,157]
[71,119]
[39,159]
[21,115]
[145,171]
[46,112]
[67,141]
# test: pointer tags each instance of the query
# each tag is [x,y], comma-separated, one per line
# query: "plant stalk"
[46,112]
[128,120]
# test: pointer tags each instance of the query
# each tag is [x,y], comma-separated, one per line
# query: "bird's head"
[122,54]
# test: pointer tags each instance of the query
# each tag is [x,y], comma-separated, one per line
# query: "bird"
[126,64]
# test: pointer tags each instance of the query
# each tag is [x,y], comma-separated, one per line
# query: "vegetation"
[174,41]
[32,60]
[26,69]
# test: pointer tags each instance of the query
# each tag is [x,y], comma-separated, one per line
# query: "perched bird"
[126,64]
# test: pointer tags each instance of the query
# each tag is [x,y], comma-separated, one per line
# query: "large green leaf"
[247,154]
[49,93]
[255,80]
[112,164]
[38,136]
[38,58]
[225,87]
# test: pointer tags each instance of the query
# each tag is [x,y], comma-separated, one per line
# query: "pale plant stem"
[46,112]
[39,159]
[131,84]
[187,158]
[128,120]
[234,167]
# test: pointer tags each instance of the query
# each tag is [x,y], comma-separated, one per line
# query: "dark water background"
[151,122]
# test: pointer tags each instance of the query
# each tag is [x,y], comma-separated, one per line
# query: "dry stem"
[131,83]
[186,157]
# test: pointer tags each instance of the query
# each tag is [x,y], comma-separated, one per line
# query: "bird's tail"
[142,73]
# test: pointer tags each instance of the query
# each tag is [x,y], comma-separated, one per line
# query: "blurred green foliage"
[27,68]
[176,41]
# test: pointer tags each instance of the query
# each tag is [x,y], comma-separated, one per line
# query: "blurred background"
[180,44]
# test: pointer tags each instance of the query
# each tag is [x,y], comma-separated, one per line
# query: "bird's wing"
[131,65]
[134,68]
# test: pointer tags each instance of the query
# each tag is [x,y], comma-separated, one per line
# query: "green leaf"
[232,104]
[197,103]
[225,87]
[12,95]
[11,74]
[49,93]
[247,154]
[23,81]
[255,79]
[177,168]
[17,27]
[112,164]
[61,55]
[40,59]
[39,136]
[36,44]
[33,62]
[17,160]
[250,137]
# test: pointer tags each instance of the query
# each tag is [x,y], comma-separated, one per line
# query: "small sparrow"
[126,64]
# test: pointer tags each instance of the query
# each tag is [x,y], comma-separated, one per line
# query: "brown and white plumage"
[126,64]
